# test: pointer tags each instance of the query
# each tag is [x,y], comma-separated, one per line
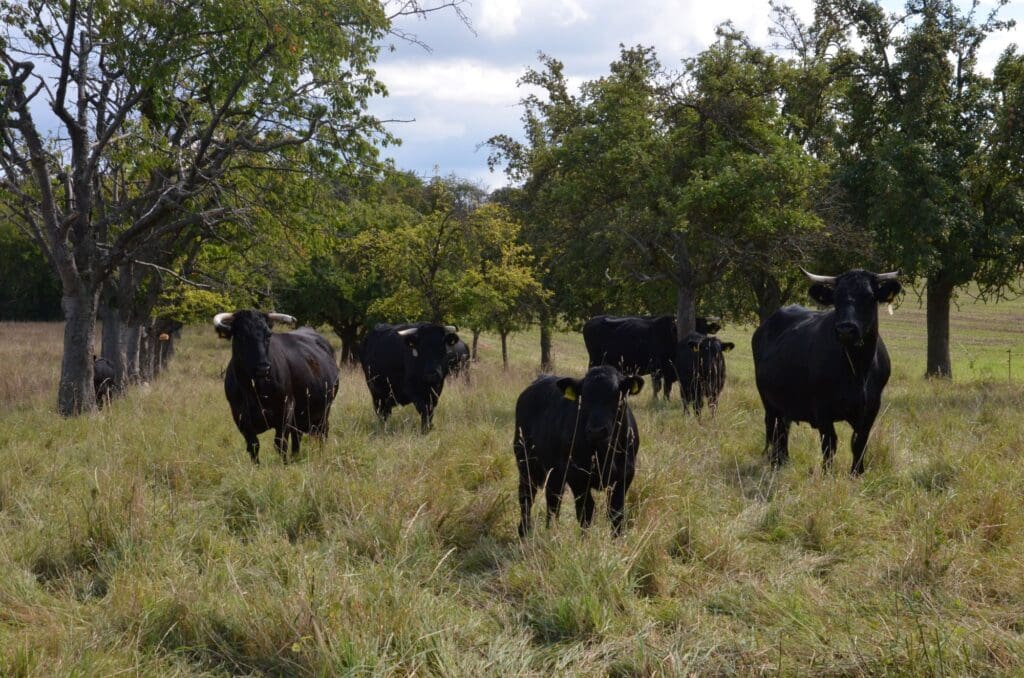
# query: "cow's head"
[249,332]
[707,325]
[428,345]
[601,396]
[855,296]
[705,350]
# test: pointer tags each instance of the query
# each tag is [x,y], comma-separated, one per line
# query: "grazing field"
[141,540]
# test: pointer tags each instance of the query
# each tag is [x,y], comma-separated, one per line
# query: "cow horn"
[451,328]
[823,279]
[408,331]
[891,275]
[223,320]
[282,318]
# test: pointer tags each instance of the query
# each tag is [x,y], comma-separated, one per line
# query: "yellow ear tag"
[569,393]
[634,388]
[695,348]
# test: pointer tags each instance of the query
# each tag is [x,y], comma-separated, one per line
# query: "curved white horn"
[891,275]
[223,320]
[282,318]
[823,279]
[407,332]
[451,328]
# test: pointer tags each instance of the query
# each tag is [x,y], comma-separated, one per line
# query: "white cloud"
[458,81]
[506,18]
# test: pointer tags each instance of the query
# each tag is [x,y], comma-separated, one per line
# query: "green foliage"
[648,184]
[28,290]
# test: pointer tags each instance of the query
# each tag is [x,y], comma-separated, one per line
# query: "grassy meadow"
[140,539]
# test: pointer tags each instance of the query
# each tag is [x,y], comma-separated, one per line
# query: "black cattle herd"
[817,367]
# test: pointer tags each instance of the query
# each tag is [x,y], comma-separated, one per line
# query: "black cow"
[701,370]
[102,380]
[638,345]
[825,366]
[407,364]
[281,381]
[458,359]
[580,433]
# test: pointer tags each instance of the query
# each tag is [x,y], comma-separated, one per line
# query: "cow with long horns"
[281,381]
[407,364]
[821,367]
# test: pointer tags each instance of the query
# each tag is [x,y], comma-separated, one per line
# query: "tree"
[503,290]
[662,182]
[916,151]
[184,95]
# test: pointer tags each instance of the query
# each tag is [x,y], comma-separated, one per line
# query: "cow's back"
[625,343]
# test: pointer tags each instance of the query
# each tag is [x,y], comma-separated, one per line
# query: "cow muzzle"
[849,334]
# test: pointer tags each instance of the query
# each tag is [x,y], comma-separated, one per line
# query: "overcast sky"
[464,90]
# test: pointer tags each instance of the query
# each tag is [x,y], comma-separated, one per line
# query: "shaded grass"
[141,539]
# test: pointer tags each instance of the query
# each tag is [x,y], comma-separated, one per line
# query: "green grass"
[140,539]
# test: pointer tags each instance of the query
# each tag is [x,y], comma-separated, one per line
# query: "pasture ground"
[141,540]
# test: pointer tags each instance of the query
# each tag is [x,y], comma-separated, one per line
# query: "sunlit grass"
[141,539]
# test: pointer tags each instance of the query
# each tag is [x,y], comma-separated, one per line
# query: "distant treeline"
[28,288]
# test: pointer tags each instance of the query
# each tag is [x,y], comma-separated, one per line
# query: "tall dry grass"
[141,540]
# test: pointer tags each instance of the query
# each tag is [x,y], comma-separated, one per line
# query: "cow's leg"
[281,444]
[861,432]
[656,385]
[828,444]
[295,443]
[252,445]
[668,387]
[528,486]
[553,489]
[617,505]
[776,437]
[382,407]
[698,397]
[584,503]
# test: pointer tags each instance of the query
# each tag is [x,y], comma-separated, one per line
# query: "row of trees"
[168,160]
[873,140]
[134,134]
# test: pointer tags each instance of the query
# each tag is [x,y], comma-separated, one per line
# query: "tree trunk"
[686,312]
[146,357]
[476,340]
[349,335]
[132,341]
[75,393]
[546,363]
[504,350]
[940,295]
[768,294]
[112,346]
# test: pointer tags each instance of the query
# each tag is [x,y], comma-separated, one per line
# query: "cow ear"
[569,387]
[633,385]
[223,333]
[728,346]
[451,338]
[694,345]
[821,293]
[713,328]
[887,291]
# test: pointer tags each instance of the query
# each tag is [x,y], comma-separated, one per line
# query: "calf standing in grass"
[700,360]
[580,433]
